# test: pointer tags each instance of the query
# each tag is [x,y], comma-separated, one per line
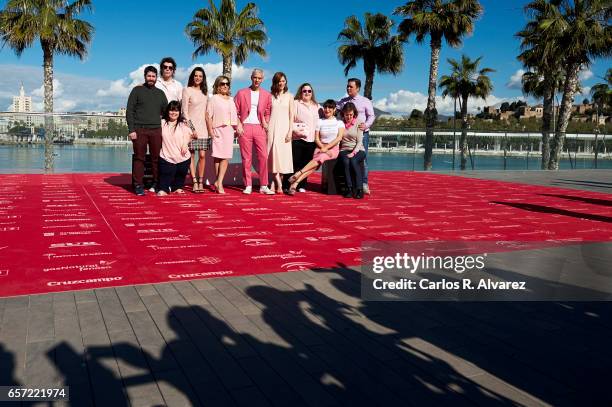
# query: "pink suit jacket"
[243,104]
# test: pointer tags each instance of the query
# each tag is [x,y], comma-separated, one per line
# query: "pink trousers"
[254,134]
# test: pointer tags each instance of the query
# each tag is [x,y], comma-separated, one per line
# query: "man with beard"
[143,115]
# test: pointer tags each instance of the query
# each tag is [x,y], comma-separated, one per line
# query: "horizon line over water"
[16,159]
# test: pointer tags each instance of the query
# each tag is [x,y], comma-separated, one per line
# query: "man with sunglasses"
[170,86]
[365,111]
[143,115]
[254,106]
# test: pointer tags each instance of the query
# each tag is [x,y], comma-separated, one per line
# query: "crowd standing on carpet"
[292,135]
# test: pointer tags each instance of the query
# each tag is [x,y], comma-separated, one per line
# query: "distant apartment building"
[527,112]
[22,104]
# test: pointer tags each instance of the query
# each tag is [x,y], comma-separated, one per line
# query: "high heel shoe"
[295,176]
[219,188]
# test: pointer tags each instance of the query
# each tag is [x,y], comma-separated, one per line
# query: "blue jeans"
[355,163]
[366,141]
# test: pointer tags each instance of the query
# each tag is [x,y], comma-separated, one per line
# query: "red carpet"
[77,231]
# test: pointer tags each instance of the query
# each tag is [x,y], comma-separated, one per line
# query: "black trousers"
[302,153]
[172,175]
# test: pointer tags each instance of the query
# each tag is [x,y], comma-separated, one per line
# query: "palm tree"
[374,44]
[466,81]
[232,35]
[581,29]
[601,93]
[447,20]
[545,76]
[53,23]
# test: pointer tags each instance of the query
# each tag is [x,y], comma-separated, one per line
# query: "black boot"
[348,193]
[359,194]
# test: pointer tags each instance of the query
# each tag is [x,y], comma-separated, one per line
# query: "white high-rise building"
[22,104]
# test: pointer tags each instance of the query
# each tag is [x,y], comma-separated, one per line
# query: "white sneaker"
[266,190]
[366,189]
[247,190]
[301,190]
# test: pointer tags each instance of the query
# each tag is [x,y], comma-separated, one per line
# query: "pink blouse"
[173,139]
[222,112]
[308,114]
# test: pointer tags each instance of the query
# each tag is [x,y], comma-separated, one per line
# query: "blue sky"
[302,43]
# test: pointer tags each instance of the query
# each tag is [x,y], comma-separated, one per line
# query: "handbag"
[299,129]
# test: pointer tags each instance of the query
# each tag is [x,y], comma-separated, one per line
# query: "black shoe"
[139,190]
[153,187]
[348,193]
[359,194]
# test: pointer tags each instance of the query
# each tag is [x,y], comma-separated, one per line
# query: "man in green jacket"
[145,107]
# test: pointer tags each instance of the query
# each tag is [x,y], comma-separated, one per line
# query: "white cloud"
[116,88]
[585,74]
[515,80]
[122,87]
[58,89]
[403,101]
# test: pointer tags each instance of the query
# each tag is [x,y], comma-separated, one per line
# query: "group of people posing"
[292,135]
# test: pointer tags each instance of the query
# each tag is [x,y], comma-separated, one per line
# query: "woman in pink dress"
[194,111]
[221,120]
[280,159]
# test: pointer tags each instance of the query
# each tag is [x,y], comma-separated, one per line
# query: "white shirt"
[252,118]
[172,89]
[328,129]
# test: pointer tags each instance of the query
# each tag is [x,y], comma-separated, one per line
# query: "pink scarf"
[351,123]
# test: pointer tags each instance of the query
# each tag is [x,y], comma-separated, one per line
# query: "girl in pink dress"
[194,111]
[221,120]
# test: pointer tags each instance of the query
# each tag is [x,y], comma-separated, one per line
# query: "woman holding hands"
[194,111]
[221,120]
[279,131]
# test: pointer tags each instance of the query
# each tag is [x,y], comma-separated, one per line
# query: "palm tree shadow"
[593,201]
[370,368]
[538,339]
[555,211]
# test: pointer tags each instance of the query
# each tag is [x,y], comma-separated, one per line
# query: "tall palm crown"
[373,43]
[448,20]
[545,76]
[231,34]
[54,24]
[602,92]
[581,30]
[466,80]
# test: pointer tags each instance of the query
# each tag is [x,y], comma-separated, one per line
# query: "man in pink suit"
[254,105]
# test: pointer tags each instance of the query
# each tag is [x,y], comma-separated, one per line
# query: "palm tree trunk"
[549,94]
[464,126]
[430,111]
[48,102]
[565,109]
[227,65]
[368,69]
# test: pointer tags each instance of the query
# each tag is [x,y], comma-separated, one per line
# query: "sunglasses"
[170,67]
[306,90]
[223,83]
